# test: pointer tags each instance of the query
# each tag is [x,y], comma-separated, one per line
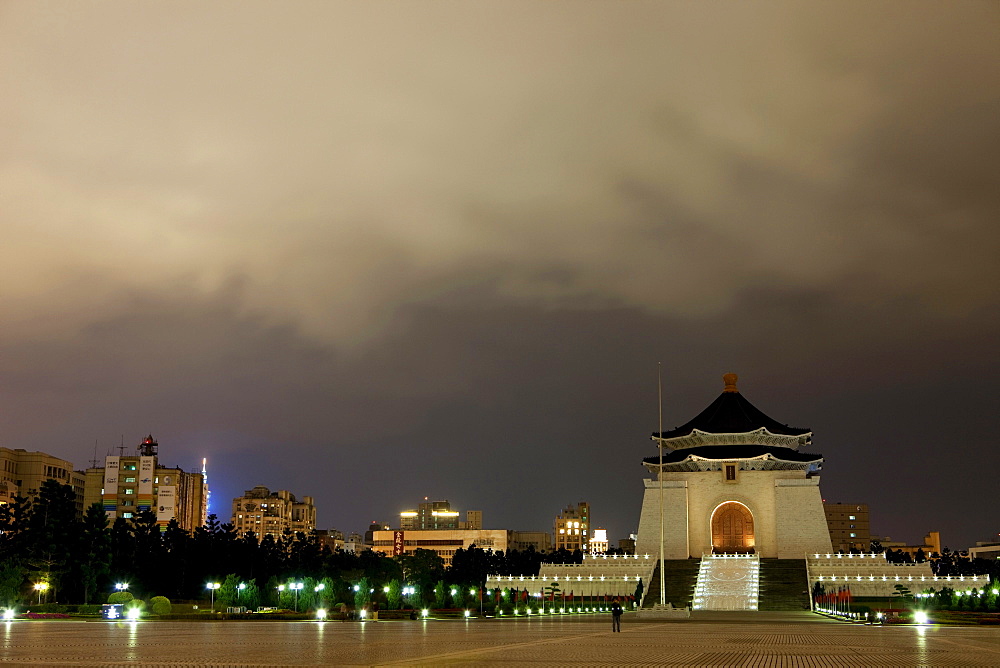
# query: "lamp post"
[296,586]
[121,586]
[40,587]
[212,586]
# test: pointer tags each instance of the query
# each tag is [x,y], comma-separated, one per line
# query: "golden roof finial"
[730,380]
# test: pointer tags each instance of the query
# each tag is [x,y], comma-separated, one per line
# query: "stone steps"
[680,577]
[784,585]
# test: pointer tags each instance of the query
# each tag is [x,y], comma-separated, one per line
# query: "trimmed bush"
[161,605]
[120,597]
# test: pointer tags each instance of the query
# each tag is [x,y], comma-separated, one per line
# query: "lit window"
[851,517]
[562,530]
[129,479]
[127,516]
[854,535]
[129,490]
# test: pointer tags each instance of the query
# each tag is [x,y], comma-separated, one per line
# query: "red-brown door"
[732,529]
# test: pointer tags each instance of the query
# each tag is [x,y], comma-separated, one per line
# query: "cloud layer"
[445,244]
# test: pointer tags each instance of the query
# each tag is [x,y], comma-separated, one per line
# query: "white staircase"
[727,582]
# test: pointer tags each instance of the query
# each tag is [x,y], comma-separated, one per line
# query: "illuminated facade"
[444,542]
[599,541]
[129,484]
[22,474]
[264,512]
[572,528]
[734,481]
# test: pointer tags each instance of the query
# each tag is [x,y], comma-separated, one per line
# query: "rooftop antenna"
[121,448]
[93,462]
[659,442]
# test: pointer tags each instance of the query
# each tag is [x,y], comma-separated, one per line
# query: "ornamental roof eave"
[736,452]
[761,436]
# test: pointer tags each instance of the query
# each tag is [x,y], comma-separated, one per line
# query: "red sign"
[397,543]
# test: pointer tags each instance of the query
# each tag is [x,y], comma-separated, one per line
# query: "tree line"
[79,561]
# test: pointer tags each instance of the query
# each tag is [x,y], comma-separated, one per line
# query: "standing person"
[616,616]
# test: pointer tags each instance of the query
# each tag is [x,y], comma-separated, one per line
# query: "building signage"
[111,473]
[397,543]
[147,467]
[166,499]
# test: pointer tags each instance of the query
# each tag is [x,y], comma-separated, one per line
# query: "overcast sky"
[371,252]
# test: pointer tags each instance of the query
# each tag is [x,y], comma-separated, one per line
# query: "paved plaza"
[707,639]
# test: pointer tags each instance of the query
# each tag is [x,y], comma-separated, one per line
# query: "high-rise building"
[22,474]
[850,527]
[572,528]
[438,515]
[265,512]
[129,484]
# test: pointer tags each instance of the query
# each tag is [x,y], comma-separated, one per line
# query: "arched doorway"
[732,529]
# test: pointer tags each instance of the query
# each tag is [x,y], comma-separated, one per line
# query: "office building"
[129,484]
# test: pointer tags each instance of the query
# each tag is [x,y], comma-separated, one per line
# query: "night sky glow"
[372,252]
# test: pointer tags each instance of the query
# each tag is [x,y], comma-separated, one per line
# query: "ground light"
[363,613]
[424,612]
[321,614]
[920,617]
[466,613]
[133,613]
[8,614]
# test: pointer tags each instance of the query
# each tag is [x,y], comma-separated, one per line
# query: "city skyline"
[376,252]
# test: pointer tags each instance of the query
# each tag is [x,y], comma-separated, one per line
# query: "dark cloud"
[373,253]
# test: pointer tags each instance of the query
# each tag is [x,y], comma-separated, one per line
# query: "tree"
[11,581]
[362,597]
[94,562]
[440,595]
[250,598]
[394,597]
[54,535]
[228,592]
[875,546]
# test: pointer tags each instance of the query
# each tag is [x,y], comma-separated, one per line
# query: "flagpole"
[659,442]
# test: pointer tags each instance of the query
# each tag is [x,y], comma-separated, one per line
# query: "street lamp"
[212,586]
[40,587]
[296,586]
[121,586]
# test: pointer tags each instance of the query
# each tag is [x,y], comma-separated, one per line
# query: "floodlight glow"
[319,587]
[424,612]
[121,586]
[466,613]
[133,613]
[385,589]
[321,614]
[363,613]
[920,617]
[357,587]
[8,614]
